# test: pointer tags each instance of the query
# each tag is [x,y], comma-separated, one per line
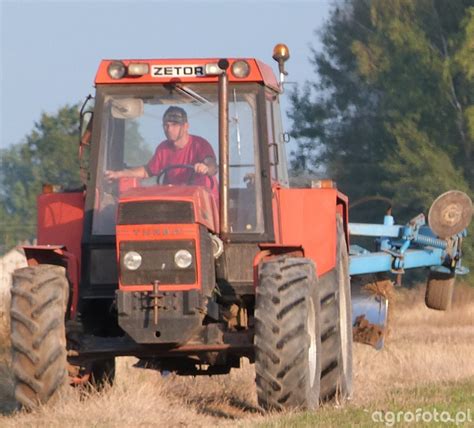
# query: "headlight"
[217,246]
[183,259]
[132,260]
[116,70]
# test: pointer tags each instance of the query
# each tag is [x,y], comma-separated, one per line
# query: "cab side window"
[276,141]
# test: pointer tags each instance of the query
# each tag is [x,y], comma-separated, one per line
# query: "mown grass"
[402,407]
[427,363]
[4,339]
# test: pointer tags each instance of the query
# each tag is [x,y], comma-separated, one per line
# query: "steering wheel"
[192,177]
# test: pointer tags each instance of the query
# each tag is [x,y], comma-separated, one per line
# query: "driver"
[179,148]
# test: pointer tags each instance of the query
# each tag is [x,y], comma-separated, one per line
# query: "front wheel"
[287,335]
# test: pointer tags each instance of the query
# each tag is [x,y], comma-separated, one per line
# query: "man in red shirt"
[179,148]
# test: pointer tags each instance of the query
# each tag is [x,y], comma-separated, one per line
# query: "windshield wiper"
[237,123]
[192,94]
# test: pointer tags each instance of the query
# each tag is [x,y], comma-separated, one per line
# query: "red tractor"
[189,278]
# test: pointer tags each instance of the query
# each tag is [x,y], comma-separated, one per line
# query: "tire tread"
[38,307]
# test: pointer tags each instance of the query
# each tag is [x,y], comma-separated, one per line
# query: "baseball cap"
[175,114]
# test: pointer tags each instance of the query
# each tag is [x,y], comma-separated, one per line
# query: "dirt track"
[424,347]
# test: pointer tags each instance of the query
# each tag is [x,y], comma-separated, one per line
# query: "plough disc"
[450,213]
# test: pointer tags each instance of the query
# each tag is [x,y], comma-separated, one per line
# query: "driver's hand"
[112,175]
[201,168]
[249,179]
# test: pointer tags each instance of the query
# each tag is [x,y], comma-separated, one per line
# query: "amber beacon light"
[281,54]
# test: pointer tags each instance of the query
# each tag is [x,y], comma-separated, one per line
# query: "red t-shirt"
[195,151]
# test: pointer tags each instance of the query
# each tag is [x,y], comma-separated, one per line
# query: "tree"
[392,109]
[136,150]
[48,155]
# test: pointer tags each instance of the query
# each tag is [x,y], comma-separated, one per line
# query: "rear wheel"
[95,373]
[287,335]
[439,290]
[38,307]
[103,373]
[336,325]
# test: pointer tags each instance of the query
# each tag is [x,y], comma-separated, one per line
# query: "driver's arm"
[139,172]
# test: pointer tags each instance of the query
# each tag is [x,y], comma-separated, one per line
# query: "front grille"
[155,212]
[158,262]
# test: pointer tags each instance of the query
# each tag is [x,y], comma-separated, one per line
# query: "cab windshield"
[132,129]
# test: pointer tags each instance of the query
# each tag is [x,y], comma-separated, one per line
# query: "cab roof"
[189,70]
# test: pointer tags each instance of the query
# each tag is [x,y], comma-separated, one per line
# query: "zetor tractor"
[185,280]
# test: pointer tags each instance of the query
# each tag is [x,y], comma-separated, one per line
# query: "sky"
[50,50]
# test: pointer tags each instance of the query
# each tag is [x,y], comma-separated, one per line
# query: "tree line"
[48,154]
[388,111]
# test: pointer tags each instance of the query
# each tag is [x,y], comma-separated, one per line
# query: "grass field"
[427,366]
[405,406]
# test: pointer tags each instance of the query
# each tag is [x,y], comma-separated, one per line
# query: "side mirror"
[85,134]
[86,127]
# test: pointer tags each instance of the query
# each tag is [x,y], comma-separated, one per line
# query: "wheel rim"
[312,351]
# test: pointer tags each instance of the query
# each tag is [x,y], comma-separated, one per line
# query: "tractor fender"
[268,251]
[58,255]
[342,208]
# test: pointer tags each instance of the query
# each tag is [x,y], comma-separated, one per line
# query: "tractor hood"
[204,204]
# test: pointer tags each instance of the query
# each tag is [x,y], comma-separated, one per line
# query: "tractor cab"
[129,128]
[138,231]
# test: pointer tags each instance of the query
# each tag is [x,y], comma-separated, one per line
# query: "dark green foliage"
[49,154]
[391,111]
[136,150]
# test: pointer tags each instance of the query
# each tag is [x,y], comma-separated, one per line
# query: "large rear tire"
[336,325]
[287,335]
[439,290]
[38,338]
[103,373]
[96,373]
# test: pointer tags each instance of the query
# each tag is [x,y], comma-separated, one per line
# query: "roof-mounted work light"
[116,70]
[138,69]
[240,69]
[213,69]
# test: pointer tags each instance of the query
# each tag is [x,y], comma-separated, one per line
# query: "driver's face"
[174,131]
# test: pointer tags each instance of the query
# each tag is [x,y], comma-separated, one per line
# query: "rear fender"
[57,255]
[342,208]
[269,251]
